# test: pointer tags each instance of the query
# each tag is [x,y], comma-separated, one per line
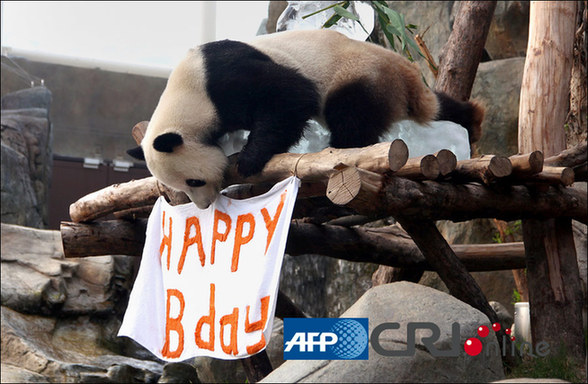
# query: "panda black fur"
[272,86]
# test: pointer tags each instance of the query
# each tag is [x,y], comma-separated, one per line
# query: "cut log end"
[344,185]
[447,161]
[500,166]
[397,155]
[430,167]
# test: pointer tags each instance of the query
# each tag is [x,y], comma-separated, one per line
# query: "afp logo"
[326,339]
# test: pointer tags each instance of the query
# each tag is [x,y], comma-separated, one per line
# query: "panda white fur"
[272,86]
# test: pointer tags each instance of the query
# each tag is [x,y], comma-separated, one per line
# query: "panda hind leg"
[355,116]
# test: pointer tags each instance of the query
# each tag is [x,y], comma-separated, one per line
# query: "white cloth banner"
[208,280]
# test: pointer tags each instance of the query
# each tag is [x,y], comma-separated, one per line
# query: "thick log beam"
[312,167]
[385,246]
[444,201]
[430,199]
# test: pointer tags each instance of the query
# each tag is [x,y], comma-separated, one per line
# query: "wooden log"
[111,237]
[380,158]
[554,175]
[447,162]
[117,197]
[134,213]
[384,246]
[460,202]
[437,201]
[570,157]
[463,51]
[454,274]
[420,168]
[581,172]
[244,191]
[527,164]
[355,187]
[486,168]
[319,166]
[555,293]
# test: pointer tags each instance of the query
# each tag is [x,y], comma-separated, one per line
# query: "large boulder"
[498,87]
[37,279]
[405,303]
[46,349]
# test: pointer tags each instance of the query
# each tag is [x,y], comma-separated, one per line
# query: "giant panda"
[272,86]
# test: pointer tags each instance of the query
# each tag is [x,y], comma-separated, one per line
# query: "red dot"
[507,331]
[472,346]
[483,331]
[512,338]
[496,327]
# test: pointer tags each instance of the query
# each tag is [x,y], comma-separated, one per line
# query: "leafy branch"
[392,23]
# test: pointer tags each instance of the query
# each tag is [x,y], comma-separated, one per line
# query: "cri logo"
[473,345]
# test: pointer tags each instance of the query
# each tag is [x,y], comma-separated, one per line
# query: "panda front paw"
[249,166]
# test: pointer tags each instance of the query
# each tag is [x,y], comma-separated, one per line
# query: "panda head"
[177,146]
[186,165]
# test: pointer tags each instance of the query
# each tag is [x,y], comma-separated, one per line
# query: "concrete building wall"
[93,110]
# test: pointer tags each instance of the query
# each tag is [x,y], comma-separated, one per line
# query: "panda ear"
[137,153]
[167,142]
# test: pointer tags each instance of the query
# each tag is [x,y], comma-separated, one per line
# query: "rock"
[504,316]
[37,279]
[26,157]
[35,97]
[13,374]
[178,373]
[509,30]
[498,87]
[403,303]
[66,350]
[323,286]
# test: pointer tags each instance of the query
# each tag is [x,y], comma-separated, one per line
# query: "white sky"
[154,33]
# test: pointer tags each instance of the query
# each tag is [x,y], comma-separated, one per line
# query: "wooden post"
[460,283]
[464,49]
[555,292]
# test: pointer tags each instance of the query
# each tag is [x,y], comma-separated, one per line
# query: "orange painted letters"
[239,239]
[206,320]
[257,326]
[230,320]
[218,215]
[173,324]
[270,223]
[166,240]
[188,241]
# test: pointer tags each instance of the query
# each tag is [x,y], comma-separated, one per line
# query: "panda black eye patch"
[195,183]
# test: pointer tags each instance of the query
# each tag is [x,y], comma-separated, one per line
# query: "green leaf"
[339,10]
